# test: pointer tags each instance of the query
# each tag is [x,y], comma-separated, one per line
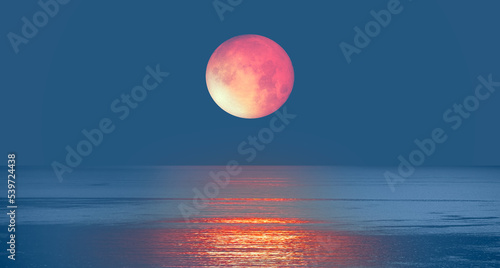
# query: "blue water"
[273,216]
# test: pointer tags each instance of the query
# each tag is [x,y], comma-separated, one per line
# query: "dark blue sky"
[364,113]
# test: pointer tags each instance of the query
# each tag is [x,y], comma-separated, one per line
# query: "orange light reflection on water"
[243,242]
[254,223]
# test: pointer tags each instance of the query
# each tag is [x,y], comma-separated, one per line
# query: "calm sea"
[265,216]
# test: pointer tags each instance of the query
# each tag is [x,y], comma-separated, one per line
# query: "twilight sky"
[367,112]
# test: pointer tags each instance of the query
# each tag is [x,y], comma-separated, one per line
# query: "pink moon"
[249,76]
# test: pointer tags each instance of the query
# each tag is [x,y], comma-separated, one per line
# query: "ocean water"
[265,216]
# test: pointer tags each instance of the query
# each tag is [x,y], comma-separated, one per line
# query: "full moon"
[249,76]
